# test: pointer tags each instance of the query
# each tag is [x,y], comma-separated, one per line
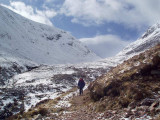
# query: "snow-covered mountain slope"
[11,64]
[149,39]
[9,57]
[40,43]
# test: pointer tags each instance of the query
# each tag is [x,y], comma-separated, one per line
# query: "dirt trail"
[80,110]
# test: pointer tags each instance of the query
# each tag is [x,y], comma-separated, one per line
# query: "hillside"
[11,64]
[39,43]
[133,84]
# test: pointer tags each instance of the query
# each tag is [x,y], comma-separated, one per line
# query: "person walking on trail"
[81,85]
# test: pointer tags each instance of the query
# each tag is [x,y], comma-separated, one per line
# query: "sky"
[105,26]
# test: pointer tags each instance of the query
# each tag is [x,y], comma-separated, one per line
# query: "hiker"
[81,85]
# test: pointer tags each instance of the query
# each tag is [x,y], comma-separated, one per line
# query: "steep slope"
[133,84]
[40,43]
[149,39]
[11,64]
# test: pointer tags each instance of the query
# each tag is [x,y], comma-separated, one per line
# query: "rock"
[24,119]
[154,106]
[132,117]
[114,112]
[38,117]
[157,110]
[1,103]
[147,102]
[128,114]
[107,115]
[132,105]
[15,102]
[9,105]
[139,113]
[5,114]
[155,72]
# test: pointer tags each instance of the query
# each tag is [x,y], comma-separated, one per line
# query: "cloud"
[132,13]
[105,45]
[48,1]
[29,12]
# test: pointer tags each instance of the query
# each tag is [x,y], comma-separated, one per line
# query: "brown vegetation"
[128,84]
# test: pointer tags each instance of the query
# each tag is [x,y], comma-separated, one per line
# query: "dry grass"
[132,85]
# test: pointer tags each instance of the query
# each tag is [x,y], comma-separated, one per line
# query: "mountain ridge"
[40,43]
[149,39]
[25,44]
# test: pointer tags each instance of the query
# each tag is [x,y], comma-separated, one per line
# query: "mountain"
[25,44]
[149,39]
[39,43]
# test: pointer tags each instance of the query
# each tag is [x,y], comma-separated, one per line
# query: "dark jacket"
[81,83]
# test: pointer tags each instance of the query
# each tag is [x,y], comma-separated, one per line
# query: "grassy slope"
[129,83]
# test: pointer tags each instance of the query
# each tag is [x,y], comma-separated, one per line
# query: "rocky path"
[83,108]
[80,110]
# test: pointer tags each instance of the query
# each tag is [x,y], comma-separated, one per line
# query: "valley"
[40,67]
